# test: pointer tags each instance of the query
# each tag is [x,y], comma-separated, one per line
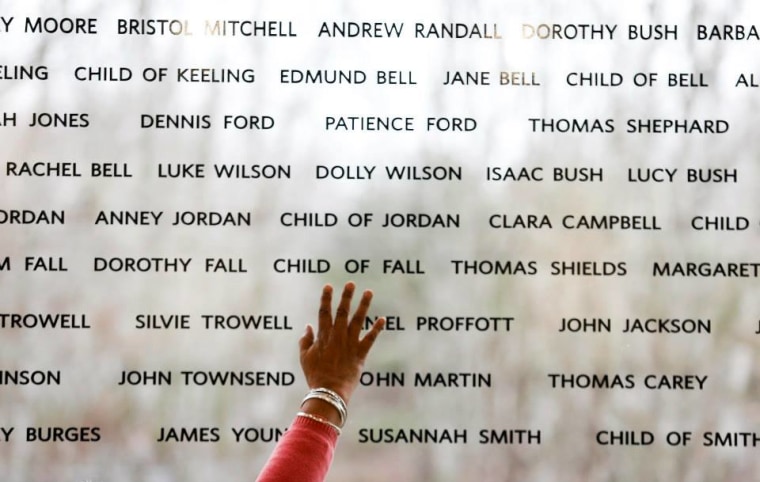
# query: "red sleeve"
[304,453]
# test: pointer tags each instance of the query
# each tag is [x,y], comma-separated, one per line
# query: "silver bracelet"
[320,420]
[328,399]
[334,395]
[337,399]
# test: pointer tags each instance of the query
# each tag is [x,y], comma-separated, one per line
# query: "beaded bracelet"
[320,420]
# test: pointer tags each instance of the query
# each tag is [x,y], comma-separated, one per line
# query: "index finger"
[369,339]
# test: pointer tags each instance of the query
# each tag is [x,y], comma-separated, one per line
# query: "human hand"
[335,358]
